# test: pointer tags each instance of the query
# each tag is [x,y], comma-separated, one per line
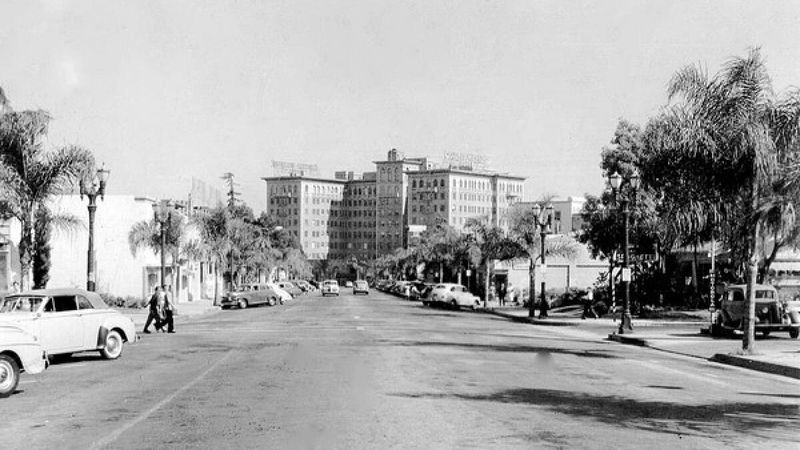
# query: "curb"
[761,366]
[522,319]
[731,360]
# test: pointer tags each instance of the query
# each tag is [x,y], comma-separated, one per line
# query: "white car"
[330,287]
[285,296]
[68,321]
[19,351]
[454,295]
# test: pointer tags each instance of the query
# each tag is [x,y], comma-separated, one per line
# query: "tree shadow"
[657,416]
[545,351]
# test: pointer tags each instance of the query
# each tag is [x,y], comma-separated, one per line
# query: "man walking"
[168,310]
[153,314]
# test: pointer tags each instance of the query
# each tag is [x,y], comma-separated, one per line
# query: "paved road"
[378,372]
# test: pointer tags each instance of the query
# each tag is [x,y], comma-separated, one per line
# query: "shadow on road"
[545,351]
[656,416]
[56,360]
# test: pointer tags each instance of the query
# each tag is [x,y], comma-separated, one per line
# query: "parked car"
[348,284]
[421,291]
[402,288]
[771,313]
[290,288]
[360,286]
[282,294]
[454,295]
[67,321]
[330,287]
[19,352]
[251,295]
[304,285]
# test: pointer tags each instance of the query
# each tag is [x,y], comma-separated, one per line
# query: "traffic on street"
[378,371]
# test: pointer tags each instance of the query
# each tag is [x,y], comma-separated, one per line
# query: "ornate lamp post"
[92,185]
[543,223]
[625,189]
[162,213]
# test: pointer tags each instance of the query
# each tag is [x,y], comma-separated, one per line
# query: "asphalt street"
[380,372]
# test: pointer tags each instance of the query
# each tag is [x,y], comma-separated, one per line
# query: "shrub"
[116,301]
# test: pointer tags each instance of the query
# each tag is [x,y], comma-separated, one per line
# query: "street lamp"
[92,185]
[162,212]
[626,188]
[543,223]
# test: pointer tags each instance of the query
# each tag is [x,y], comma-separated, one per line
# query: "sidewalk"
[184,311]
[776,354]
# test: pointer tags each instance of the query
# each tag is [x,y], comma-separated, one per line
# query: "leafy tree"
[724,139]
[487,243]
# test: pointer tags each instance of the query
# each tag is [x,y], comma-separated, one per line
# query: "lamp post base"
[90,286]
[625,324]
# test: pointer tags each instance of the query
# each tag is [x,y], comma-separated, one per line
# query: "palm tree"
[728,134]
[522,230]
[30,175]
[491,243]
[147,235]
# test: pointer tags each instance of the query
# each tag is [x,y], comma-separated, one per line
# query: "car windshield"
[330,283]
[765,294]
[21,304]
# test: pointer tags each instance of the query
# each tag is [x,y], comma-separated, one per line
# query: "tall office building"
[374,214]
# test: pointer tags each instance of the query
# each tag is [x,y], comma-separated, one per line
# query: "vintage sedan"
[251,295]
[68,321]
[330,287]
[360,286]
[771,313]
[454,295]
[19,352]
[290,288]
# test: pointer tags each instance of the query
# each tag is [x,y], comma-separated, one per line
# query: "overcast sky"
[165,90]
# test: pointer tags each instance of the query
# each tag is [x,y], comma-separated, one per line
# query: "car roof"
[95,299]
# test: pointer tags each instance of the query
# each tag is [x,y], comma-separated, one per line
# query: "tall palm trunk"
[532,287]
[26,251]
[748,338]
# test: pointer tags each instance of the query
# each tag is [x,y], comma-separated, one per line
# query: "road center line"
[116,433]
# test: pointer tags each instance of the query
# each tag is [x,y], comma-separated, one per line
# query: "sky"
[163,91]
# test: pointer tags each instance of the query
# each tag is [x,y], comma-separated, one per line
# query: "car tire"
[242,304]
[454,304]
[272,301]
[765,333]
[424,303]
[794,332]
[9,375]
[112,346]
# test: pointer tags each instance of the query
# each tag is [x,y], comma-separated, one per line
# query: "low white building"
[119,272]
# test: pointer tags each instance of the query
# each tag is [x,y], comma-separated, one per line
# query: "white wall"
[118,271]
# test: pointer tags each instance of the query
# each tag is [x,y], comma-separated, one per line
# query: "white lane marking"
[356,317]
[28,381]
[360,328]
[113,436]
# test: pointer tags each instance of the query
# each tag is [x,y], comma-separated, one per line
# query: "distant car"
[454,295]
[290,288]
[421,291]
[304,285]
[771,313]
[348,284]
[283,295]
[251,294]
[19,352]
[330,287]
[402,288]
[69,321]
[361,286]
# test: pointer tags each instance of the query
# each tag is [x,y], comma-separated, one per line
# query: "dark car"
[251,295]
[771,313]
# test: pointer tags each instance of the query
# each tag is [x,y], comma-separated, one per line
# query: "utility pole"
[233,195]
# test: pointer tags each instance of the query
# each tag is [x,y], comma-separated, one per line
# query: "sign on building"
[287,168]
[465,161]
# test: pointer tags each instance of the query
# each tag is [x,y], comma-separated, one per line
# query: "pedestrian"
[153,311]
[503,292]
[588,304]
[168,310]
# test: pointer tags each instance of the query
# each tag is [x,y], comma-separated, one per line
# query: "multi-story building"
[392,201]
[310,209]
[566,214]
[454,195]
[358,224]
[371,215]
